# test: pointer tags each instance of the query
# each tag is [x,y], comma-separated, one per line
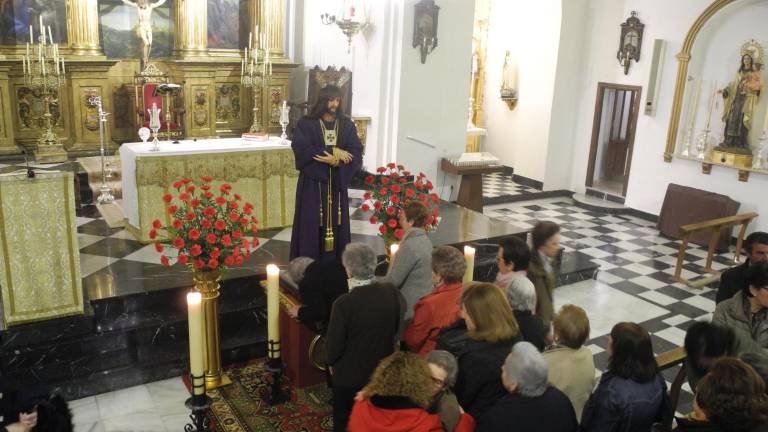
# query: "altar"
[263,173]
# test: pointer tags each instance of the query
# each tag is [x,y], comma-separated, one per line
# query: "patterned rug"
[239,407]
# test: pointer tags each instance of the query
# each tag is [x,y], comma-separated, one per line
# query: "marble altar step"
[129,340]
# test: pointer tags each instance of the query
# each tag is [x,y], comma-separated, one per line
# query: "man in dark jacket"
[531,404]
[734,279]
[361,330]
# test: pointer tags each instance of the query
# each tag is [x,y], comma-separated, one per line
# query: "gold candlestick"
[43,76]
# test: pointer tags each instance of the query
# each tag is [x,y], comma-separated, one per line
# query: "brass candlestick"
[44,73]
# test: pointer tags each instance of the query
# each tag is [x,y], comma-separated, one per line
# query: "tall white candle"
[50,35]
[469,256]
[31,32]
[195,320]
[712,103]
[42,30]
[250,40]
[694,104]
[765,122]
[273,306]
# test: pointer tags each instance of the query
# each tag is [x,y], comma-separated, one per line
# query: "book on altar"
[255,136]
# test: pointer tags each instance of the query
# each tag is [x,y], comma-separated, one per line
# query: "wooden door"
[613,134]
[617,148]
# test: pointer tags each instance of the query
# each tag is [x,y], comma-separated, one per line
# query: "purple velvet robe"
[307,238]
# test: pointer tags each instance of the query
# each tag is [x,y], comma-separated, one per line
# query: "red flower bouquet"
[209,230]
[390,190]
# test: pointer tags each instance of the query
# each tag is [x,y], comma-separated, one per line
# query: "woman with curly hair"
[730,398]
[397,397]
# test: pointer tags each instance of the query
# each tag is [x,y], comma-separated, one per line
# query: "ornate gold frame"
[682,72]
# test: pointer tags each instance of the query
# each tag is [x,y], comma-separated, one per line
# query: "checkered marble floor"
[635,278]
[497,185]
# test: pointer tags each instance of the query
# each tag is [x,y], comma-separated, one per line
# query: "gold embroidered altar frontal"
[264,176]
[39,252]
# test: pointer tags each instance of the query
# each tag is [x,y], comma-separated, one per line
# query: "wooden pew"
[668,360]
[714,226]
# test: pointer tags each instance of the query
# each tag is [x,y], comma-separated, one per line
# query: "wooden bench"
[668,360]
[715,227]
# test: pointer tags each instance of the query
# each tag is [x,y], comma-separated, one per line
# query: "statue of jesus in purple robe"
[328,152]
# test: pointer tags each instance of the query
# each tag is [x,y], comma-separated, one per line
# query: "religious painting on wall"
[227,24]
[123,34]
[17,15]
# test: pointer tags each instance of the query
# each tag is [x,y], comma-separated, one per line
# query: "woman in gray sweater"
[411,267]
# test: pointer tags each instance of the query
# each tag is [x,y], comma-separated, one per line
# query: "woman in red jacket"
[440,308]
[396,399]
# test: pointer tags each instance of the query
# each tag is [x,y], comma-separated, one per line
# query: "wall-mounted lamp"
[351,23]
[630,42]
[425,27]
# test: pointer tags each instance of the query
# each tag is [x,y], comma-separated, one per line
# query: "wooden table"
[471,188]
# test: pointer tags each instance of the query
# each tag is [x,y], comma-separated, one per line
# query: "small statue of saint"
[508,79]
[144,30]
[740,99]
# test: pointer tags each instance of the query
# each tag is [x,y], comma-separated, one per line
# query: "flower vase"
[207,284]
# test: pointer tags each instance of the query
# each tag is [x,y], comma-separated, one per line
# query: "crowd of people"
[419,350]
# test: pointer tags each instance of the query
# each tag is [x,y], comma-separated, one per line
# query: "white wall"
[530,30]
[650,175]
[568,87]
[432,105]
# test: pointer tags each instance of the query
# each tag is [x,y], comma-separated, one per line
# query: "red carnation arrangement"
[209,231]
[390,190]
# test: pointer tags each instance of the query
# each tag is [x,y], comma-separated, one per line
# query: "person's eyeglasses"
[438,382]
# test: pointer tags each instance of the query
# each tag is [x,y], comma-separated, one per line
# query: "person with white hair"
[522,297]
[361,331]
[531,403]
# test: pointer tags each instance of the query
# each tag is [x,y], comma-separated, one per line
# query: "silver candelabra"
[757,158]
[105,193]
[284,120]
[256,72]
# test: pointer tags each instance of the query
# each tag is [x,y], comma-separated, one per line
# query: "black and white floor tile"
[497,185]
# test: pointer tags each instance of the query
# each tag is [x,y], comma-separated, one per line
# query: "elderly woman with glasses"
[444,370]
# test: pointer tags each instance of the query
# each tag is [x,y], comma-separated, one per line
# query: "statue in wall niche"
[144,29]
[740,99]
